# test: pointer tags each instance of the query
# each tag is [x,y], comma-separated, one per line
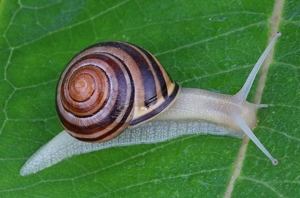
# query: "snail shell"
[110,86]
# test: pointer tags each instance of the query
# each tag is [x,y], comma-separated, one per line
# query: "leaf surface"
[211,45]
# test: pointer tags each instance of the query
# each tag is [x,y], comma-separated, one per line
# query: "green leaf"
[211,45]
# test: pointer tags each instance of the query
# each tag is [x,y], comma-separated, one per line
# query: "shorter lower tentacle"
[239,120]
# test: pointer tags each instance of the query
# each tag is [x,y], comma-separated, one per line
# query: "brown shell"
[110,86]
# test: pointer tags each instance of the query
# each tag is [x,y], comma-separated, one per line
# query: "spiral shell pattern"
[110,86]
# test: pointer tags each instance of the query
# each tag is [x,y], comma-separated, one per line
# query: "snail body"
[161,113]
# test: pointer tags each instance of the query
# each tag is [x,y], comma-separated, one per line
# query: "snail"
[118,94]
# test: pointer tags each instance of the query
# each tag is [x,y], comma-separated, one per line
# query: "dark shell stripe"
[159,109]
[121,112]
[143,66]
[124,122]
[71,71]
[151,71]
[158,73]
